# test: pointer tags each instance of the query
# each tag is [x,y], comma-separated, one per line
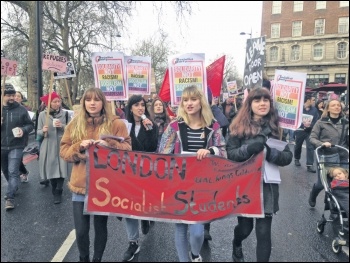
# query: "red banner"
[164,92]
[215,74]
[173,188]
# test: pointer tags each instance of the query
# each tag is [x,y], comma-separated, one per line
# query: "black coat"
[237,152]
[145,141]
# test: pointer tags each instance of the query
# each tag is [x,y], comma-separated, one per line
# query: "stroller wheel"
[320,227]
[336,247]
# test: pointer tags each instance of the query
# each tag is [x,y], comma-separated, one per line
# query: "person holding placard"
[15,128]
[93,120]
[255,122]
[303,134]
[195,131]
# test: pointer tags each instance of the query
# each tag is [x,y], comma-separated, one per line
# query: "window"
[274,54]
[295,55]
[276,7]
[321,5]
[298,6]
[343,3]
[343,26]
[341,49]
[340,78]
[319,26]
[275,30]
[296,28]
[318,51]
[316,80]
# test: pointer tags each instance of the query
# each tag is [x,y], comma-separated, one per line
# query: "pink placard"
[54,63]
[8,67]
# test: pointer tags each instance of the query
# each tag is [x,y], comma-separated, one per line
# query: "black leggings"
[82,229]
[262,231]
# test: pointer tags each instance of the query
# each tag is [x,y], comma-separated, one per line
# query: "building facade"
[307,36]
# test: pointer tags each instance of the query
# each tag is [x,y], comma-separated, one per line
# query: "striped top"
[195,139]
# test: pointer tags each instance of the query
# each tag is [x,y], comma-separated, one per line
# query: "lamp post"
[117,35]
[244,33]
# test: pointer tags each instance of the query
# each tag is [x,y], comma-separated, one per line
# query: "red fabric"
[215,74]
[170,112]
[45,98]
[164,92]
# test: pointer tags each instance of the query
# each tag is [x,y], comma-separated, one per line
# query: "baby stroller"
[337,216]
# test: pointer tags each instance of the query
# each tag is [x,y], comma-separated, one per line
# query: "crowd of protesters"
[241,127]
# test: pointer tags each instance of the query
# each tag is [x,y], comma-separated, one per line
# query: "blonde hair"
[343,170]
[326,108]
[207,116]
[79,122]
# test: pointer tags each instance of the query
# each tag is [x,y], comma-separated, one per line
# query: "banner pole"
[2,94]
[68,94]
[49,103]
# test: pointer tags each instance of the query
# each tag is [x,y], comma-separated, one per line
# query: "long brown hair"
[165,112]
[244,126]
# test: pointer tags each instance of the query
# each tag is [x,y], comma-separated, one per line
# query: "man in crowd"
[303,134]
[15,128]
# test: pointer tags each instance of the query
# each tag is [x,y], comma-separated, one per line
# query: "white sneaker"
[199,259]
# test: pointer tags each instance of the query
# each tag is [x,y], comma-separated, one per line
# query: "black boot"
[207,235]
[96,260]
[84,259]
[57,196]
[313,196]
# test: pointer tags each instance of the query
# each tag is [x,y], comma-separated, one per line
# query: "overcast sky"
[213,28]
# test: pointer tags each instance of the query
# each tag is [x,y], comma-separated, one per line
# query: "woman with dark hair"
[159,115]
[255,122]
[320,107]
[144,137]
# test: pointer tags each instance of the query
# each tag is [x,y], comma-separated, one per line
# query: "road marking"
[67,244]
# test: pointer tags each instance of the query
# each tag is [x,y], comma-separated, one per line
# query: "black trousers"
[82,229]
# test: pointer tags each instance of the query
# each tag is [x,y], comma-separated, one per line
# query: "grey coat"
[51,165]
[237,152]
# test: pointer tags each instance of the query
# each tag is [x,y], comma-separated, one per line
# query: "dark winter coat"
[237,152]
[145,141]
[14,116]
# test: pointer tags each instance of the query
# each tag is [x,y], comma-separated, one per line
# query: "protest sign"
[138,75]
[232,88]
[109,74]
[8,67]
[254,63]
[172,188]
[186,70]
[289,91]
[69,72]
[53,62]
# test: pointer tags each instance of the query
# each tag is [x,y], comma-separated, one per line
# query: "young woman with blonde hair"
[195,130]
[93,120]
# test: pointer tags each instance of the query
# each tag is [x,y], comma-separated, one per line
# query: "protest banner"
[172,188]
[289,92]
[186,70]
[54,63]
[138,74]
[254,63]
[232,88]
[8,67]
[109,74]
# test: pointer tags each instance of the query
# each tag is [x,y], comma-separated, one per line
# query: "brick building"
[307,36]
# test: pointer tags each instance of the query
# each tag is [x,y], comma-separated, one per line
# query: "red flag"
[215,74]
[164,92]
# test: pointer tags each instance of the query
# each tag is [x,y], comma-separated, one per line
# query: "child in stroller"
[334,176]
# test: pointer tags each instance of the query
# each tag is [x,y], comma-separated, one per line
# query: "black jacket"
[14,116]
[145,141]
[237,152]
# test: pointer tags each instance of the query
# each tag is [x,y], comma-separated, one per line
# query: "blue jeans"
[132,229]
[10,162]
[300,137]
[181,240]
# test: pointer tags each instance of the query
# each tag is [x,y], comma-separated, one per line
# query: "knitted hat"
[45,98]
[9,89]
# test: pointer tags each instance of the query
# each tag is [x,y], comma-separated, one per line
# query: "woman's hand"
[146,122]
[85,144]
[101,142]
[45,128]
[326,144]
[202,153]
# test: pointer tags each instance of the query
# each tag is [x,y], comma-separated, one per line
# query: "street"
[39,231]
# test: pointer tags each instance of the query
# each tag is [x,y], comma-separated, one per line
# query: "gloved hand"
[255,148]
